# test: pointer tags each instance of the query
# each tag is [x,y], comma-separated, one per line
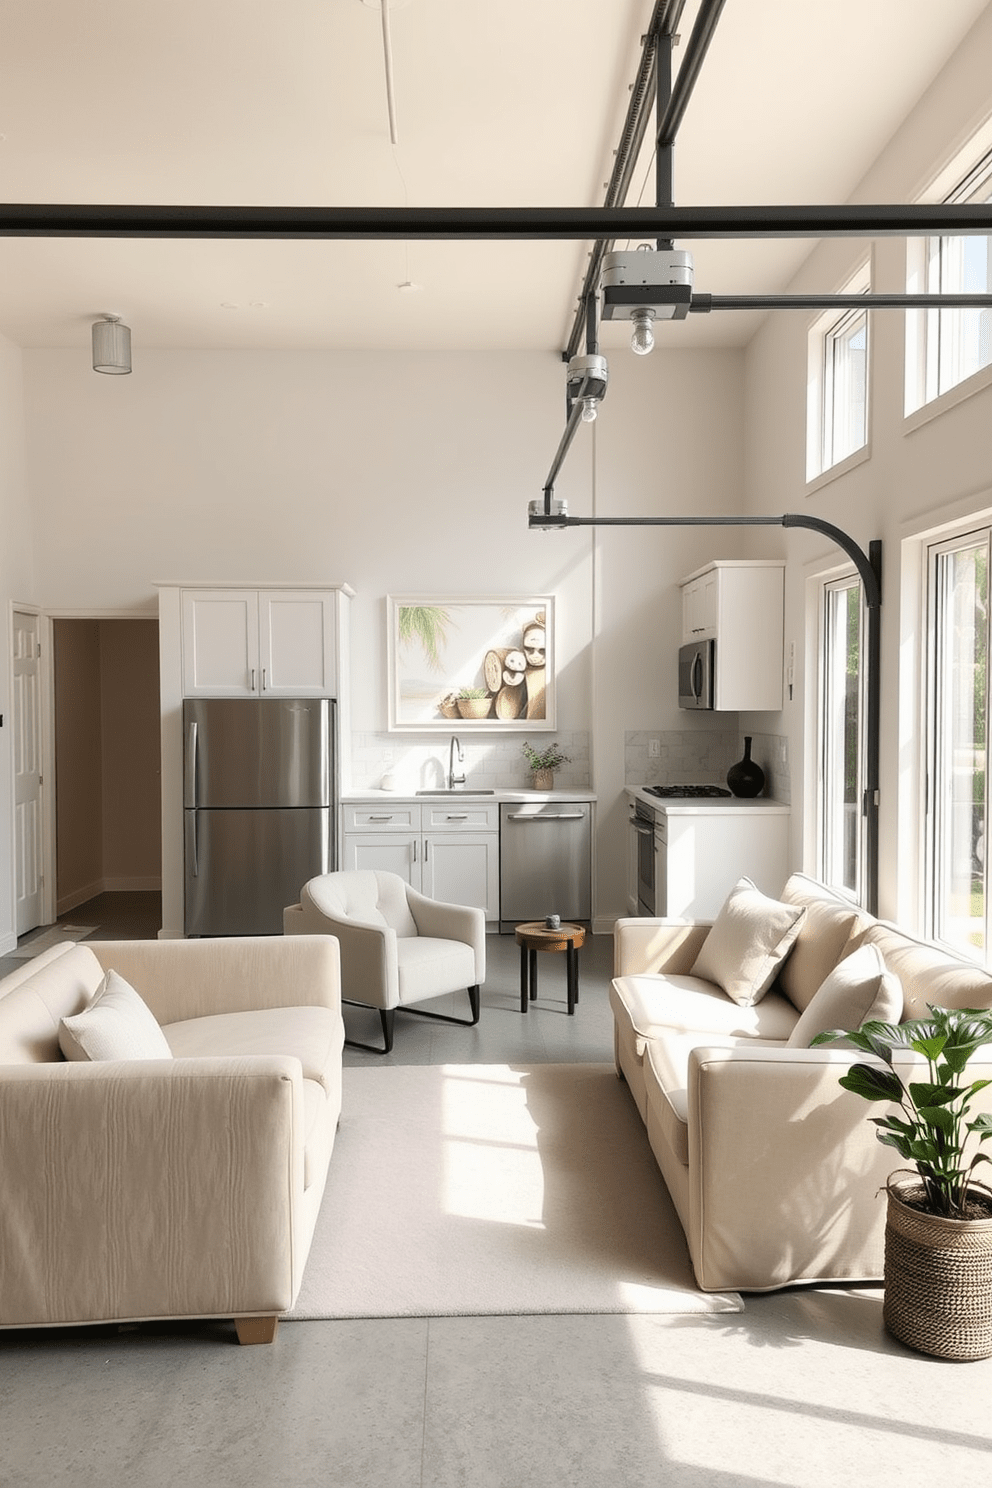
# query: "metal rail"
[492,224]
[869,567]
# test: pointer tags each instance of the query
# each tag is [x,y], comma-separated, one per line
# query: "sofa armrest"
[650,945]
[149,1188]
[182,979]
[785,1169]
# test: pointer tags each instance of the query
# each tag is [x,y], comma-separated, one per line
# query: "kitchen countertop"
[349,797]
[693,805]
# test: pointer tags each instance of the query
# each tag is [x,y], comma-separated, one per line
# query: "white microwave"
[696,674]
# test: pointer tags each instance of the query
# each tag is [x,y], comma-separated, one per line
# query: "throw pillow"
[858,990]
[116,1024]
[750,938]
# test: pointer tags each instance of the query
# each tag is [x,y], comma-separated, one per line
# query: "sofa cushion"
[666,1079]
[750,938]
[313,1035]
[428,967]
[858,989]
[830,928]
[928,972]
[117,1024]
[655,1005]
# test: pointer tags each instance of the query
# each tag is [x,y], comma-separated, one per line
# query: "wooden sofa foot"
[256,1329]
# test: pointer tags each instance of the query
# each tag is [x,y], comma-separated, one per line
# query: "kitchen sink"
[462,791]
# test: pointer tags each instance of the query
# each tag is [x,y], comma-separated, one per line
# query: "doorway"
[107,751]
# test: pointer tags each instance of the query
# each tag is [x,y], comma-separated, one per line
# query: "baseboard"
[603,924]
[68,902]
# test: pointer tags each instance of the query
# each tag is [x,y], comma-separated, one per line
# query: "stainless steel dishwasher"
[545,861]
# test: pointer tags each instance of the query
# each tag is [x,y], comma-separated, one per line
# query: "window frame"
[830,724]
[937,843]
[825,332]
[929,331]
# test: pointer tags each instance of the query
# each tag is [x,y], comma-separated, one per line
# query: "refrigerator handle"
[191,843]
[190,771]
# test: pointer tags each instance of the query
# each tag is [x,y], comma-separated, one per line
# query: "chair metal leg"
[475,1002]
[387,1017]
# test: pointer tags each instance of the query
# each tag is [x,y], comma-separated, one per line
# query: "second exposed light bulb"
[642,335]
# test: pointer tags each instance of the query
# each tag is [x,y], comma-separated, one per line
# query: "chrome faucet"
[453,779]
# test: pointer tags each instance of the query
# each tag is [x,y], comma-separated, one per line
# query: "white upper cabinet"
[741,606]
[699,606]
[259,642]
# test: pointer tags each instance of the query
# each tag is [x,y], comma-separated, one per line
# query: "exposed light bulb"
[588,410]
[642,336]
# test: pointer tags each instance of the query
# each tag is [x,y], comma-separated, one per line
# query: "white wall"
[396,473]
[16,585]
[915,477]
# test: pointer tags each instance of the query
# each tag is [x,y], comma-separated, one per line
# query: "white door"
[27,773]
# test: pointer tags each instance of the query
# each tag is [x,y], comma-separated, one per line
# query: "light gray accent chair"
[398,947]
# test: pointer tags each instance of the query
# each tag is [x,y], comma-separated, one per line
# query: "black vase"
[746,778]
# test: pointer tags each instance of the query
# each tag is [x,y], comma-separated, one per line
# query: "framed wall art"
[483,664]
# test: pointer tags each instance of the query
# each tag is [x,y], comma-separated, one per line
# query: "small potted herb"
[544,762]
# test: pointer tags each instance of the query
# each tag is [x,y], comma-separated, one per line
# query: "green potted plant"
[938,1232]
[544,762]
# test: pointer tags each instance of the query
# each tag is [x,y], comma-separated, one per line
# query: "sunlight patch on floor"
[500,1181]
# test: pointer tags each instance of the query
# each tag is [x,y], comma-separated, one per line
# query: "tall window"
[837,392]
[842,735]
[957,767]
[946,347]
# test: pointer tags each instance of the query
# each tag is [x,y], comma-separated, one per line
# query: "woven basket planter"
[938,1280]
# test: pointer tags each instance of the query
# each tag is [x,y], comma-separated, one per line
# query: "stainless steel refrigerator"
[260,788]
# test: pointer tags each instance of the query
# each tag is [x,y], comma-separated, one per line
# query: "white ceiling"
[519,103]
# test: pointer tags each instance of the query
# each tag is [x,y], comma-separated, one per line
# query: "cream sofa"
[774,1169]
[180,1187]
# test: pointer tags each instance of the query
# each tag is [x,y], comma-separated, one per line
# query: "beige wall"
[400,473]
[397,474]
[915,479]
[108,825]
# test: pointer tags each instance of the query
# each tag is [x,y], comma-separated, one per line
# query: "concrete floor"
[803,1388]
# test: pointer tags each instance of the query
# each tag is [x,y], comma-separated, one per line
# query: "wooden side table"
[535,936]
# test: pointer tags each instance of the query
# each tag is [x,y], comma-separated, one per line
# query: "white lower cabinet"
[701,853]
[448,851]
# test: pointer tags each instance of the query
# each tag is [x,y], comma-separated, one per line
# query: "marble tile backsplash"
[694,757]
[418,762]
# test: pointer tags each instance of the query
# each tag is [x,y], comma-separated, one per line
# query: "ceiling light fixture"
[586,384]
[111,345]
[646,285]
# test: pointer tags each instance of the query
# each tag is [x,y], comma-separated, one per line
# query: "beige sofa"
[774,1170]
[175,1187]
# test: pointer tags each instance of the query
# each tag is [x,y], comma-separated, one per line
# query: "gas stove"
[690,792]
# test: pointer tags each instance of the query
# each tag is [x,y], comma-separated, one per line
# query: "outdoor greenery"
[548,758]
[934,1129]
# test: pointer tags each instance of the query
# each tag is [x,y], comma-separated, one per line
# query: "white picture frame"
[498,647]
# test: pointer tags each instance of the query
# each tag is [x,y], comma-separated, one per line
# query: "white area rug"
[56,936]
[488,1189]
